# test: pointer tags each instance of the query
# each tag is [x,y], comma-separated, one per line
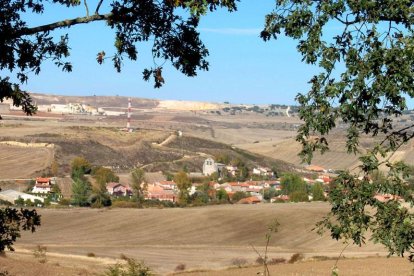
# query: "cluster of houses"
[210,167]
[164,190]
[168,191]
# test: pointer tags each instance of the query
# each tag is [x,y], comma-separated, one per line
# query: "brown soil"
[375,266]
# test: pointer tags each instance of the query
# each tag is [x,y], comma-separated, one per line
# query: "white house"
[43,185]
[232,170]
[118,189]
[210,167]
[264,171]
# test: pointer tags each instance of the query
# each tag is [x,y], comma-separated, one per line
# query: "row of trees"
[298,190]
[243,172]
[86,194]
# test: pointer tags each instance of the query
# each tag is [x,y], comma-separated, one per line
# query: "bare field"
[351,267]
[23,162]
[336,158]
[202,238]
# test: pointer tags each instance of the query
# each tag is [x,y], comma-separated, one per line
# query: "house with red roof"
[155,191]
[249,200]
[43,185]
[118,189]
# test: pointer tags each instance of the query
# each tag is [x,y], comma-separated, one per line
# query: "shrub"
[124,204]
[132,267]
[298,196]
[19,201]
[259,260]
[239,262]
[321,258]
[40,253]
[91,254]
[64,202]
[122,256]
[239,195]
[180,267]
[296,258]
[275,261]
[317,192]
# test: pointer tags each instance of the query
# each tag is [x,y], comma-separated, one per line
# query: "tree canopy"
[139,185]
[365,78]
[23,48]
[183,186]
[12,221]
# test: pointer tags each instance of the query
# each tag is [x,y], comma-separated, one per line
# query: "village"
[263,186]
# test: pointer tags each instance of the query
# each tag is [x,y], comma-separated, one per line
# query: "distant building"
[43,185]
[250,200]
[118,189]
[210,167]
[232,170]
[158,192]
[263,171]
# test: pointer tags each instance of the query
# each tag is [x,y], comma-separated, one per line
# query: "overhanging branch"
[98,7]
[62,24]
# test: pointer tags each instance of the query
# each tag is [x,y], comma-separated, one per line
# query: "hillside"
[250,130]
[101,101]
[155,150]
[208,237]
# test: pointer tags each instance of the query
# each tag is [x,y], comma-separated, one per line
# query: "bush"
[122,256]
[239,195]
[317,192]
[298,196]
[124,204]
[296,258]
[91,254]
[259,260]
[19,201]
[131,268]
[64,202]
[6,203]
[321,258]
[239,262]
[180,267]
[275,261]
[40,253]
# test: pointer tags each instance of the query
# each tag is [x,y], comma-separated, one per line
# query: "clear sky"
[243,68]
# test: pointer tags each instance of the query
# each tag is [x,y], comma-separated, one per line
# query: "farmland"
[201,238]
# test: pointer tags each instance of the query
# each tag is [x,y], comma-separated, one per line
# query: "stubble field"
[201,238]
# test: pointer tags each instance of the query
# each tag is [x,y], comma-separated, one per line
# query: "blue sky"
[243,68]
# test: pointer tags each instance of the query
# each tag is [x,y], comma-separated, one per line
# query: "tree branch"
[98,7]
[87,8]
[62,24]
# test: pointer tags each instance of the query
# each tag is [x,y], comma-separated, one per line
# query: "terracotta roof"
[249,200]
[166,182]
[42,179]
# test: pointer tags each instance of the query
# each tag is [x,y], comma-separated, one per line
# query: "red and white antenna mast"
[129,116]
